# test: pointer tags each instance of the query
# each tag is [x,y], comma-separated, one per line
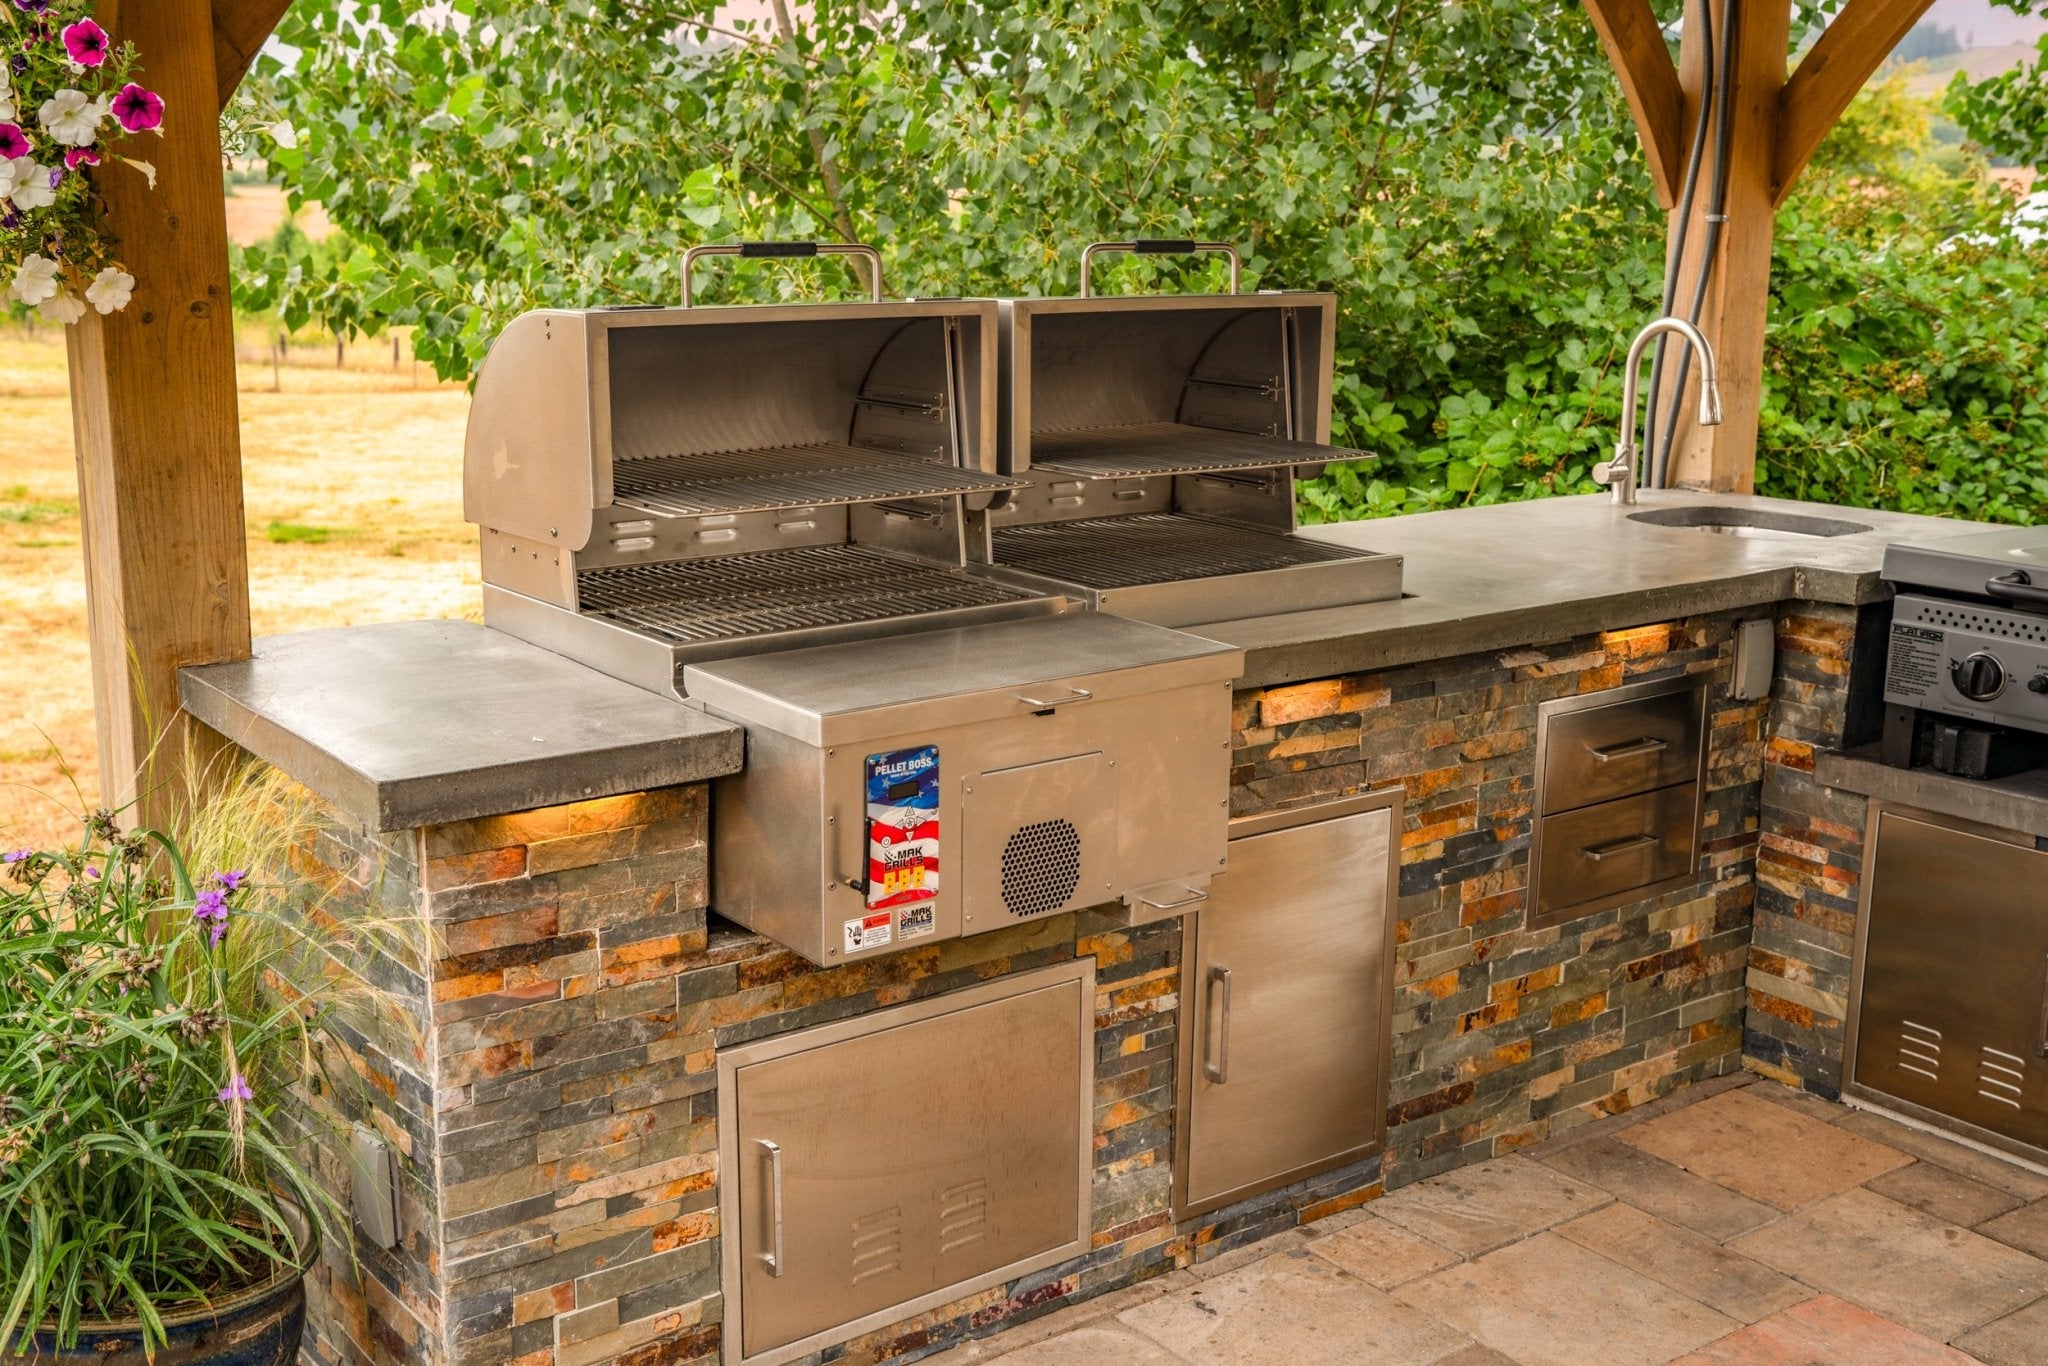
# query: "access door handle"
[1074,695]
[1633,749]
[1194,894]
[1624,845]
[1217,1068]
[2042,1039]
[772,1258]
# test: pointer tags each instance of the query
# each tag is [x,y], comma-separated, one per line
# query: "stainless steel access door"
[1951,1019]
[882,1165]
[1286,1000]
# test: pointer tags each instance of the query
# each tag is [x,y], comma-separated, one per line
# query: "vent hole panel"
[1041,867]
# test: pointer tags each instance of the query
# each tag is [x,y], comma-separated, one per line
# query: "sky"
[1979,23]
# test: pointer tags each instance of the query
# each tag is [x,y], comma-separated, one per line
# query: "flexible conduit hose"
[1675,253]
[1717,206]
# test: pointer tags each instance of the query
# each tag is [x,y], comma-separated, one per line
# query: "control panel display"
[903,827]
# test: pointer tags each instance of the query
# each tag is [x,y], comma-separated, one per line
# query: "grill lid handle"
[1155,246]
[2018,587]
[757,251]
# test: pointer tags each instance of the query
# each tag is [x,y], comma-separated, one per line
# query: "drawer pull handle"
[1633,749]
[773,1257]
[1077,695]
[1627,843]
[1217,1069]
[1194,894]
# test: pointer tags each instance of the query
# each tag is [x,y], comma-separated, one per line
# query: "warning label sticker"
[914,922]
[1913,670]
[869,931]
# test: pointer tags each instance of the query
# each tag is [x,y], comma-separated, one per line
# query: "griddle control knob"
[2038,683]
[1979,677]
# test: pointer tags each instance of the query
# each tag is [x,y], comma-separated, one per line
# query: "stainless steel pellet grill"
[657,486]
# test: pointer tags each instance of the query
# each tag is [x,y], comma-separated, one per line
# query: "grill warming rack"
[1150,449]
[817,474]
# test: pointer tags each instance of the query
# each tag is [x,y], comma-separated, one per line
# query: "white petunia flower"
[110,290]
[62,309]
[32,186]
[36,280]
[72,117]
[9,110]
[9,178]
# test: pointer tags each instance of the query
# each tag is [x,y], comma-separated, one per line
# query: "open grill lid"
[698,412]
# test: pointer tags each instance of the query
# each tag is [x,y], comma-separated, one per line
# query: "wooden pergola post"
[1776,123]
[155,414]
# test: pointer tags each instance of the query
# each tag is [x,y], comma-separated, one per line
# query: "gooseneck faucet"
[1621,472]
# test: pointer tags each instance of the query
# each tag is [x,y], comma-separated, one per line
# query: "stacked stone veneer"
[547,1067]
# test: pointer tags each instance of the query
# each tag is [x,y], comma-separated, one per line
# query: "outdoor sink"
[1742,521]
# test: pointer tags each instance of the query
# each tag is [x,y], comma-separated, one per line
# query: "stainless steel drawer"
[1621,748]
[1603,853]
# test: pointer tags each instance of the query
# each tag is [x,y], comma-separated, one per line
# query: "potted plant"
[150,1201]
[70,100]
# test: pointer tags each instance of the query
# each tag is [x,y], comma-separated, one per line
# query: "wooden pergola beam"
[239,30]
[1635,45]
[1833,70]
[155,412]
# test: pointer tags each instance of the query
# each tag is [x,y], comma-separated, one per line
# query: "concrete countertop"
[1491,578]
[2017,803]
[422,722]
[415,723]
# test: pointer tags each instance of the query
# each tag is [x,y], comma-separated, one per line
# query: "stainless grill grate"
[1153,448]
[812,475]
[781,590]
[1126,552]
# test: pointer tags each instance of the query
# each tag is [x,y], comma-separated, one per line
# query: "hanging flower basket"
[70,99]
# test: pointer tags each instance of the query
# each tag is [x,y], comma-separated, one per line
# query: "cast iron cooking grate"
[819,474]
[729,596]
[1151,448]
[1155,547]
[1041,867]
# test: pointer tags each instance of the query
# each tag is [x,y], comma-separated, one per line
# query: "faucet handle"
[1604,473]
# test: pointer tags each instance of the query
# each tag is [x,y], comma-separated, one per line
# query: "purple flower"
[91,871]
[17,856]
[231,882]
[210,908]
[31,6]
[56,176]
[86,42]
[18,65]
[238,1089]
[81,156]
[138,110]
[13,142]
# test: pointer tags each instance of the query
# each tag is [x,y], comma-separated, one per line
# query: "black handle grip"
[1163,246]
[2018,586]
[757,250]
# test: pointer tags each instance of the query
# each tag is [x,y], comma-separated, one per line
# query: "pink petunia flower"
[76,157]
[13,142]
[86,42]
[138,110]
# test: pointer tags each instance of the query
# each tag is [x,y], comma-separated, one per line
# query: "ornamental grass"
[153,1156]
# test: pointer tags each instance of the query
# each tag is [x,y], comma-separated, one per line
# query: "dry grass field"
[353,489]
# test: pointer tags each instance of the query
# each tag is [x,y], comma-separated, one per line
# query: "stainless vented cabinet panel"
[1952,1014]
[883,1165]
[1286,991]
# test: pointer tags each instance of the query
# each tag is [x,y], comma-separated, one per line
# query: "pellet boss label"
[903,830]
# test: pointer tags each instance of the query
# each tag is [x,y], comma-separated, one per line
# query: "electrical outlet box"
[373,1187]
[1756,656]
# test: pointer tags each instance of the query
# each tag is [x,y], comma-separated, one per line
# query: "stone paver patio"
[1737,1222]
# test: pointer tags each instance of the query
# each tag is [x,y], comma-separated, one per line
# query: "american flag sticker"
[903,827]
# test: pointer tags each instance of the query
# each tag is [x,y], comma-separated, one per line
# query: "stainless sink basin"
[1760,523]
